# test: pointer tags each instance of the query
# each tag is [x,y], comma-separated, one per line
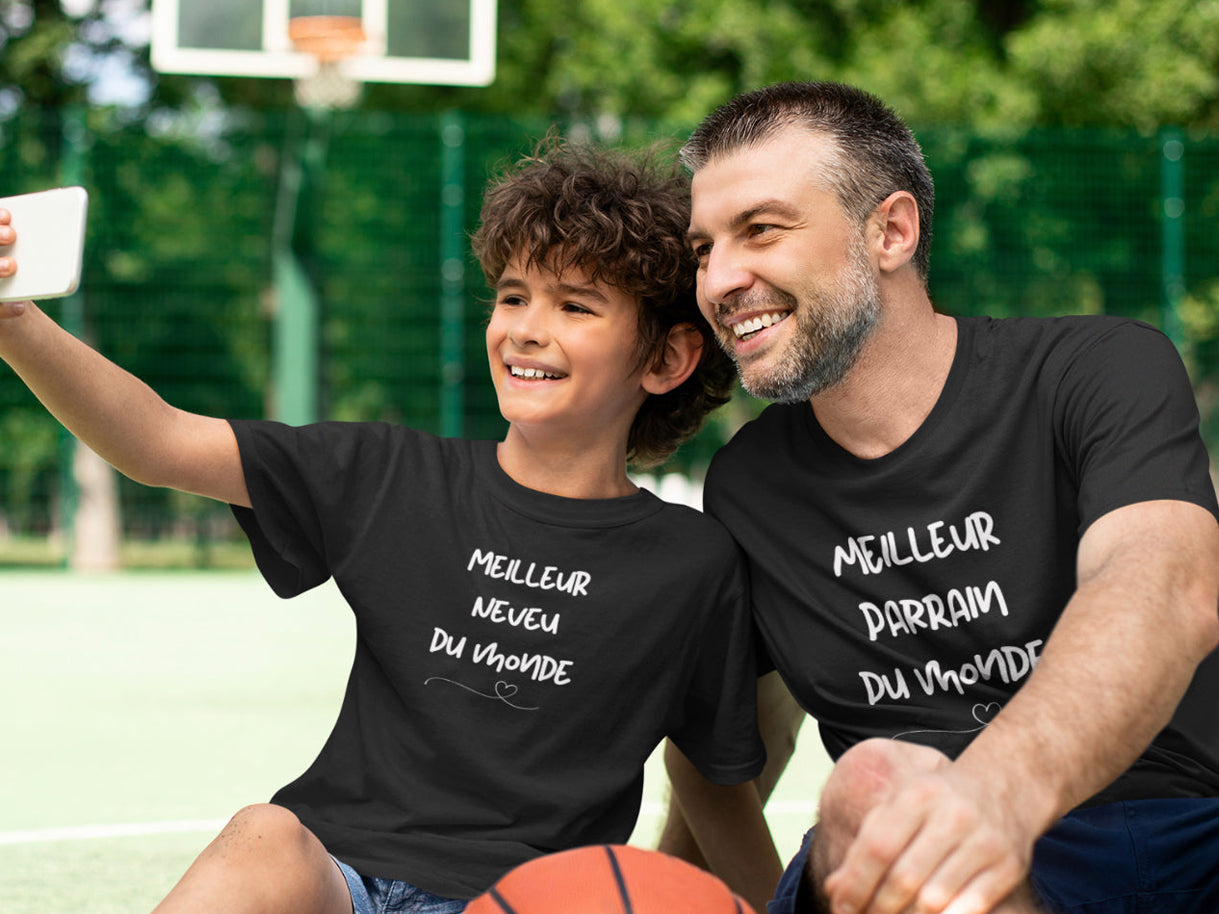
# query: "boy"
[529,624]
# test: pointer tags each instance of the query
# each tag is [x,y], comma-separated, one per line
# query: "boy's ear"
[682,349]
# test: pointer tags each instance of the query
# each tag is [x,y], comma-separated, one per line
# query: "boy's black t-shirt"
[910,596]
[518,655]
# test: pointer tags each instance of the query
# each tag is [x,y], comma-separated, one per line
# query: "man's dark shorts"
[1136,857]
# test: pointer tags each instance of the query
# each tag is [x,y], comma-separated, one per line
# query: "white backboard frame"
[277,59]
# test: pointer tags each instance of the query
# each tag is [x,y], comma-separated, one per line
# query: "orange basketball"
[608,879]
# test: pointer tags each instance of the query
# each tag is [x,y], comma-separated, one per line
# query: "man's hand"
[904,830]
[938,843]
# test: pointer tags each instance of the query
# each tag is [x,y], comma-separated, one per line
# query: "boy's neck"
[564,468]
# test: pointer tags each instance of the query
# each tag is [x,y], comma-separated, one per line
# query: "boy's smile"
[533,374]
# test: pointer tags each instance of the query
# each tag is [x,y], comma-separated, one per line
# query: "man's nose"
[724,274]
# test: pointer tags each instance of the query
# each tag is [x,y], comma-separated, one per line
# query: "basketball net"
[329,40]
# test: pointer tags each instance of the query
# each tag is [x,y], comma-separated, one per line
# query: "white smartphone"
[50,243]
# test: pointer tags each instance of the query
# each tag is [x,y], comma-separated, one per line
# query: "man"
[984,553]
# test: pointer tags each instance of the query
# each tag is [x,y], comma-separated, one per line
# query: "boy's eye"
[702,250]
[575,308]
[511,300]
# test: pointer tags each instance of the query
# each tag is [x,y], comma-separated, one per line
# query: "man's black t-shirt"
[519,655]
[910,596]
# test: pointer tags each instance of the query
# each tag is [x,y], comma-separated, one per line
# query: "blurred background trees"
[1112,63]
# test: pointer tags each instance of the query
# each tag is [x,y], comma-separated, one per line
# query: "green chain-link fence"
[181,288]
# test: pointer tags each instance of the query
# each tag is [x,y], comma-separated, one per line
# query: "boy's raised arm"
[117,415]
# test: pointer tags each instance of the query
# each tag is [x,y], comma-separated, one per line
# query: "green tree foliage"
[1112,63]
[35,39]
[1115,63]
[1138,63]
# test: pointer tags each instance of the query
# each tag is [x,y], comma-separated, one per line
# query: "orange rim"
[328,38]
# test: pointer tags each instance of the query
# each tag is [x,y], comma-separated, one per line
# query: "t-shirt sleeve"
[719,731]
[1128,424]
[307,485]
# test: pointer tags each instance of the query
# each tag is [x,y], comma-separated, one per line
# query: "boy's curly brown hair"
[621,217]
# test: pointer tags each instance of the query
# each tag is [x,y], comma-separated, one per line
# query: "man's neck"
[894,385]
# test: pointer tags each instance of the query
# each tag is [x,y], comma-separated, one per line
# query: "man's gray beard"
[831,329]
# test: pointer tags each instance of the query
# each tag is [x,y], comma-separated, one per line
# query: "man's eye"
[702,251]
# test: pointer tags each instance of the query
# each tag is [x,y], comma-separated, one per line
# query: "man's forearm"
[1112,672]
[1114,669]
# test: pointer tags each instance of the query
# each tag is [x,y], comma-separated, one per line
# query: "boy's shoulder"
[697,549]
[362,433]
[353,452]
[688,526]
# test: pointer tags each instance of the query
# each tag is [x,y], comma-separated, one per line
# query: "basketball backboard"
[432,42]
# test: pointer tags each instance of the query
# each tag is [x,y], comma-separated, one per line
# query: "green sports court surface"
[141,710]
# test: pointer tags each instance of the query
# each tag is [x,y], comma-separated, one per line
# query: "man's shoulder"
[1072,330]
[1050,347]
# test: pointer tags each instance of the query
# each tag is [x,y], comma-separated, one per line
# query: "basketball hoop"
[329,40]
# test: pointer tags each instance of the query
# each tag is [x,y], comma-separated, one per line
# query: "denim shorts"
[372,895]
[1133,857]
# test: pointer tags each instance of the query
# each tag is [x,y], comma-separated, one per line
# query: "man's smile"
[747,328]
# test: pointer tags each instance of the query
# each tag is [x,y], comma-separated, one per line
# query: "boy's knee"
[264,859]
[266,835]
[265,818]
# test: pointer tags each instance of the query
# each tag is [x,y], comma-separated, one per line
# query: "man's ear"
[896,219]
[678,358]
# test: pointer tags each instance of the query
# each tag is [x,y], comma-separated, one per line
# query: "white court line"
[774,807]
[143,829]
[124,830]
[791,807]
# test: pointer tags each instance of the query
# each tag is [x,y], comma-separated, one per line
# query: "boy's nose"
[530,326]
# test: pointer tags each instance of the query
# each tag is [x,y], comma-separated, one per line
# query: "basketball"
[608,879]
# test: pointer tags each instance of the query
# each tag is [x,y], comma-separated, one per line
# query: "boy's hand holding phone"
[8,265]
[41,246]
